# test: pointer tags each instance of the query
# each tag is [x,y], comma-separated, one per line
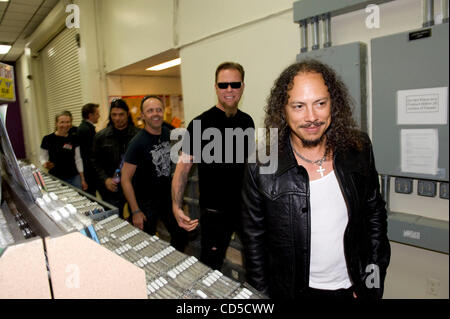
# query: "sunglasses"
[224,85]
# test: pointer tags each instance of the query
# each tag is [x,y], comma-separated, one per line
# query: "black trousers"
[154,213]
[339,294]
[216,228]
[91,186]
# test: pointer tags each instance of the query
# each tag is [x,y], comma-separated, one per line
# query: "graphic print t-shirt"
[151,154]
[61,152]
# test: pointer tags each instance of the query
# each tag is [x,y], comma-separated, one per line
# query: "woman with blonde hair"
[60,153]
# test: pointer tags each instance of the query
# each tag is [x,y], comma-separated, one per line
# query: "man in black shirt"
[86,134]
[109,149]
[146,174]
[221,171]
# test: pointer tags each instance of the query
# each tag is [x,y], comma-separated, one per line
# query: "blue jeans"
[75,181]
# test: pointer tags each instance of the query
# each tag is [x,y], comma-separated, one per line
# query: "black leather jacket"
[108,153]
[276,225]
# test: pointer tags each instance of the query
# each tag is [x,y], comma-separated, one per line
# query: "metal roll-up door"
[61,70]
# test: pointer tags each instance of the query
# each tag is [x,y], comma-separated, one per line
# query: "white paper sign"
[420,151]
[422,106]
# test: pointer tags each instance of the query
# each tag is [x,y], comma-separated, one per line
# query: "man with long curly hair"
[317,227]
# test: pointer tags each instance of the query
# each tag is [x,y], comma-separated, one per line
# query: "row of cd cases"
[50,230]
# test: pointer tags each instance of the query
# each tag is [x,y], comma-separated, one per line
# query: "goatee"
[311,143]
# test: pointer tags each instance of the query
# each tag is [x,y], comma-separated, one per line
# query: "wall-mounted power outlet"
[443,190]
[426,188]
[433,286]
[403,185]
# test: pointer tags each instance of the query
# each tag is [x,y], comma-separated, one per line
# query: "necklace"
[317,162]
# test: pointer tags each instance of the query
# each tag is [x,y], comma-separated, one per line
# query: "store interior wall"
[134,30]
[262,37]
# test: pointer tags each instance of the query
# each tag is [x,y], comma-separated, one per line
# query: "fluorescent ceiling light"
[165,65]
[4,0]
[4,48]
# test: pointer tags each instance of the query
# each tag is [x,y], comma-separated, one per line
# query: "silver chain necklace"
[317,162]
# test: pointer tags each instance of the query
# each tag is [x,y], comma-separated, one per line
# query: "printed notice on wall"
[420,151]
[422,106]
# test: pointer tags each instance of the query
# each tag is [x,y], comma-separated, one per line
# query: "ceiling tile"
[18,16]
[10,28]
[22,8]
[8,36]
[14,22]
[35,3]
[22,17]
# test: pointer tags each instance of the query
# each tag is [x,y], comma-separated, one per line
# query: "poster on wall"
[7,92]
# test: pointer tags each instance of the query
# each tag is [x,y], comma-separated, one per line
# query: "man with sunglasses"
[220,180]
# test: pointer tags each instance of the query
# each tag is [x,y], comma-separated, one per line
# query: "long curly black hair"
[343,132]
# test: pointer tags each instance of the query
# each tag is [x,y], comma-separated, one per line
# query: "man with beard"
[220,181]
[317,227]
[109,148]
[146,174]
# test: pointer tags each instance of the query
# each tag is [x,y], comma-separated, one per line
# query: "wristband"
[136,211]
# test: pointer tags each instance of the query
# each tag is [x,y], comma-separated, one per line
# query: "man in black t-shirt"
[146,174]
[220,161]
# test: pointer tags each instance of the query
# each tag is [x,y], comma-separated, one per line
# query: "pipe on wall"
[303,36]
[444,5]
[326,18]
[315,32]
[428,13]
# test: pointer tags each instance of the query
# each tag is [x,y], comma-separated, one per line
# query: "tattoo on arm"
[180,186]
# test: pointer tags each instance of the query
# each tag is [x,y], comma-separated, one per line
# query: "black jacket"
[108,152]
[86,133]
[276,224]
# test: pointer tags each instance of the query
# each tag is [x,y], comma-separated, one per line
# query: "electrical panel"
[410,104]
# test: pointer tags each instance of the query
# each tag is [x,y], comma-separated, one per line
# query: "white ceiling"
[139,68]
[18,20]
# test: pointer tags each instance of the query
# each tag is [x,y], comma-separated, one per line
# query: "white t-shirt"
[329,218]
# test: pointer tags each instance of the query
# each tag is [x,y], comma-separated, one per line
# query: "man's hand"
[110,185]
[84,185]
[48,165]
[138,220]
[184,221]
